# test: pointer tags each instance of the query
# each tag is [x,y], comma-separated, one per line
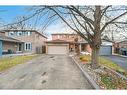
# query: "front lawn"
[8,62]
[103,76]
[105,62]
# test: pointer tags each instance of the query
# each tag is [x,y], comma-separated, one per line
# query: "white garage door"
[106,50]
[56,49]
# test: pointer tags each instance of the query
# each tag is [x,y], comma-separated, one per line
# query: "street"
[121,61]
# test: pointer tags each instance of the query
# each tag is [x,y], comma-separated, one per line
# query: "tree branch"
[106,24]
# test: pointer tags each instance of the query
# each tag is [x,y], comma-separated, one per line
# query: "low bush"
[85,58]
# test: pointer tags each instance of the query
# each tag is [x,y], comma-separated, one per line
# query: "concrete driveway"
[121,61]
[45,72]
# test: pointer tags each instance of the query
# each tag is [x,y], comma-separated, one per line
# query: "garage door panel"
[56,49]
[106,50]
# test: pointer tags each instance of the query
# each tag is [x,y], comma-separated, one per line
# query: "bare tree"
[90,22]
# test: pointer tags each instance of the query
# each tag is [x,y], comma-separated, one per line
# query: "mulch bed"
[103,76]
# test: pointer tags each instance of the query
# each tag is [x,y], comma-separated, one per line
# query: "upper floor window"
[11,33]
[58,36]
[19,33]
[27,33]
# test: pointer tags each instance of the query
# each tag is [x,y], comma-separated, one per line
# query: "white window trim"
[10,33]
[19,33]
[27,48]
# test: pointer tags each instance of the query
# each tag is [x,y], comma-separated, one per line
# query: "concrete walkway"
[45,72]
[121,61]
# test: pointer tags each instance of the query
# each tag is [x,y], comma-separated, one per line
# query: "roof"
[24,30]
[57,41]
[5,38]
[63,34]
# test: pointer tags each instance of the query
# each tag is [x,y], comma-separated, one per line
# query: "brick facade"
[10,46]
[72,39]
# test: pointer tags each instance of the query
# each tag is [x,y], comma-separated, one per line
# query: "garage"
[57,47]
[106,47]
[106,50]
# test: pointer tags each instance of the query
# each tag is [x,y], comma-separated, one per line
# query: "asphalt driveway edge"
[86,75]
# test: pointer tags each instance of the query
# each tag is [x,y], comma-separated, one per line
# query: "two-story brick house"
[74,41]
[65,42]
[31,39]
[73,38]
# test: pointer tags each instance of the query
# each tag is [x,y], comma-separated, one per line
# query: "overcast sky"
[9,13]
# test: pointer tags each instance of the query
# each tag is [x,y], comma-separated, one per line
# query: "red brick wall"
[10,45]
[71,37]
[66,37]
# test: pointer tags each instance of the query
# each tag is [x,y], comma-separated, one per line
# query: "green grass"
[6,63]
[112,82]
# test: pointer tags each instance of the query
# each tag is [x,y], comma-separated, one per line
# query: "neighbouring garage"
[57,47]
[106,47]
[106,50]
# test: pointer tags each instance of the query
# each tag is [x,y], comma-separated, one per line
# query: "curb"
[86,75]
[120,75]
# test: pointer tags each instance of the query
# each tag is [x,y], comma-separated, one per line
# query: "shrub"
[85,58]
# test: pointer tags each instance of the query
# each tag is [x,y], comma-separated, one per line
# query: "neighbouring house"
[121,47]
[8,45]
[63,43]
[32,40]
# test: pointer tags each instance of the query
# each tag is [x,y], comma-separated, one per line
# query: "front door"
[20,47]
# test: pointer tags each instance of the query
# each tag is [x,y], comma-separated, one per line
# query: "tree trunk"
[95,58]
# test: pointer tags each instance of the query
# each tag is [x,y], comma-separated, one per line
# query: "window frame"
[28,46]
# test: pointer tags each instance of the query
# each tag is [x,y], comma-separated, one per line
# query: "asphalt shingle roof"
[5,38]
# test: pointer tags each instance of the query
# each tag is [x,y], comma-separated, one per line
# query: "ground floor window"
[28,46]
